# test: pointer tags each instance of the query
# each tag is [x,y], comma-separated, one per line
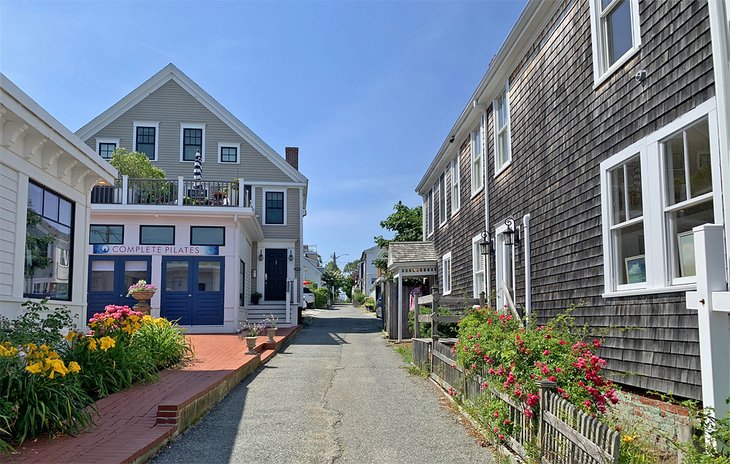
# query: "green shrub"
[163,343]
[33,327]
[445,330]
[358,297]
[320,297]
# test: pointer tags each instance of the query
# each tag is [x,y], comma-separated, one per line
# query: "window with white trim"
[192,141]
[615,34]
[478,261]
[274,202]
[105,146]
[442,199]
[477,161]
[661,187]
[455,186]
[145,139]
[429,213]
[502,142]
[446,273]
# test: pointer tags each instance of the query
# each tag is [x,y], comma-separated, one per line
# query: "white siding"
[8,219]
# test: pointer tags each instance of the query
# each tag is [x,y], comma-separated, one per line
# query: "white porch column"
[713,322]
[180,190]
[400,308]
[125,189]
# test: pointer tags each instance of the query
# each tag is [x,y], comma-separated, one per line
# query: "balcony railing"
[173,192]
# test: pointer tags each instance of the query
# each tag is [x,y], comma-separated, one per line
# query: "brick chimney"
[292,156]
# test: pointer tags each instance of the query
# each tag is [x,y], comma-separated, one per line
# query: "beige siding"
[8,213]
[171,105]
[293,218]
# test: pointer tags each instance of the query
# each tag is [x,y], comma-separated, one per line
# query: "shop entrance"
[110,277]
[192,290]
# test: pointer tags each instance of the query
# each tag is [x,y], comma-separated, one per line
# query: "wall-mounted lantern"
[512,234]
[291,256]
[261,255]
[485,246]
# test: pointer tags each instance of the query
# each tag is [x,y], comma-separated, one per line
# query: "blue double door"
[110,278]
[193,289]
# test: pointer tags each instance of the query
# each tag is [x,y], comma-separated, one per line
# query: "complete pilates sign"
[155,250]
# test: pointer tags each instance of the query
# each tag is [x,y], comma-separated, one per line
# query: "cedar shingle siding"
[561,130]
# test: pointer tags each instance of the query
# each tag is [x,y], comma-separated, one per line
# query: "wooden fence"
[456,305]
[558,430]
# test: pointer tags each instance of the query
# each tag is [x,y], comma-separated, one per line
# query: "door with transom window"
[192,290]
[110,278]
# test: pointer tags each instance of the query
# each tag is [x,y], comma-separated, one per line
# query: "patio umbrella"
[197,171]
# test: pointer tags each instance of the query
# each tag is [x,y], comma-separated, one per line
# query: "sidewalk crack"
[337,414]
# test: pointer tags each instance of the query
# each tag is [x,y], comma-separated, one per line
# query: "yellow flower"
[73,367]
[53,355]
[628,438]
[34,368]
[7,351]
[109,322]
[107,342]
[134,318]
[70,336]
[92,344]
[56,366]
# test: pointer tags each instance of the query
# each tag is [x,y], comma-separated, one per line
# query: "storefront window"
[48,245]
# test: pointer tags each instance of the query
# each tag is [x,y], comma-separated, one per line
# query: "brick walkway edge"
[134,424]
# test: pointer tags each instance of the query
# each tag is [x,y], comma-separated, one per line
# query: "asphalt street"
[337,394]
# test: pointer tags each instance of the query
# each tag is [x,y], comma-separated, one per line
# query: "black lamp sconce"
[512,234]
[291,256]
[485,246]
[261,255]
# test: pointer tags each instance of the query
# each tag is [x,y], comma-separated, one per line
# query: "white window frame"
[430,226]
[654,198]
[478,260]
[190,125]
[100,140]
[498,131]
[601,69]
[222,145]
[156,125]
[263,207]
[455,185]
[443,217]
[446,289]
[477,154]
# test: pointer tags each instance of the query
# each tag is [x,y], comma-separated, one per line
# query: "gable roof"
[411,252]
[171,72]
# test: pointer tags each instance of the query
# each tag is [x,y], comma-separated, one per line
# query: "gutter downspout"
[487,274]
[528,274]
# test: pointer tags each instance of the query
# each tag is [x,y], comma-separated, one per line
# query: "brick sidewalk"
[134,423]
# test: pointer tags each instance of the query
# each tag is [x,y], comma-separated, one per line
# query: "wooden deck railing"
[561,433]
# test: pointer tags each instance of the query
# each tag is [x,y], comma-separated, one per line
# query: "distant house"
[208,243]
[585,159]
[46,177]
[367,273]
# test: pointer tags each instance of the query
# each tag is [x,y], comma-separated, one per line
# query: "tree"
[407,223]
[332,279]
[136,165]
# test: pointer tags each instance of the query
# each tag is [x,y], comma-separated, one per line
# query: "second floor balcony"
[174,192]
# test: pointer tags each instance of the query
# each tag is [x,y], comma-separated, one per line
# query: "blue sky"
[367,90]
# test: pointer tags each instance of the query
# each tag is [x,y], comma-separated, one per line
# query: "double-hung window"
[428,213]
[105,146]
[615,34]
[192,143]
[478,260]
[455,186]
[275,208]
[446,273]
[145,139]
[502,142]
[442,199]
[477,160]
[660,187]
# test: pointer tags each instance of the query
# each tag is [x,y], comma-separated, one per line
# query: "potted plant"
[255,297]
[270,324]
[250,331]
[142,292]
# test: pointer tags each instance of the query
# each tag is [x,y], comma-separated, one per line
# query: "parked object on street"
[308,298]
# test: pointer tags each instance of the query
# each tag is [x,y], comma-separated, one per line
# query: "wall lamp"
[485,246]
[512,234]
[291,256]
[261,255]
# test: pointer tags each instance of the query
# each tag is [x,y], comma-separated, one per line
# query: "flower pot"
[143,297]
[270,332]
[251,345]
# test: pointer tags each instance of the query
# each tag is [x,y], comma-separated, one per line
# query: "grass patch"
[405,350]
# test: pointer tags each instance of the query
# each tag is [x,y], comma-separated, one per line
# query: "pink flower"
[596,343]
[546,353]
